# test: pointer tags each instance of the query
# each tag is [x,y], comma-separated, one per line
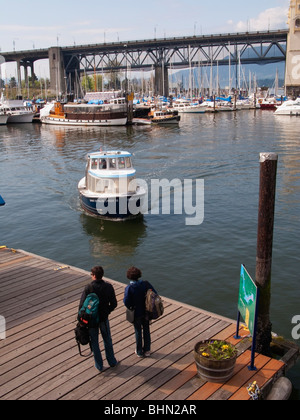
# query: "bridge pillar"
[292,71]
[161,81]
[26,74]
[19,74]
[57,71]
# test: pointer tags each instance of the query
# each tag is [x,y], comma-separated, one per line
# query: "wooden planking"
[39,358]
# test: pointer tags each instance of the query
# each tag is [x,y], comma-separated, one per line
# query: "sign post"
[247,308]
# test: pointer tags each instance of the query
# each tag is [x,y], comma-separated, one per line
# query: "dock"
[39,357]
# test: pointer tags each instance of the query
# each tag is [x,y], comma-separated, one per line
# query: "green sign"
[247,299]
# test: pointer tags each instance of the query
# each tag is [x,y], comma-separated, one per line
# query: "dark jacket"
[106,295]
[134,296]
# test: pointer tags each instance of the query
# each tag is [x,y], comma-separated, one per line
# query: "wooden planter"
[213,370]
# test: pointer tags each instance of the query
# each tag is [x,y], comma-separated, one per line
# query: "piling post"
[268,171]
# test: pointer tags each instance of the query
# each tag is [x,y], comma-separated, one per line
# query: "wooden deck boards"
[39,358]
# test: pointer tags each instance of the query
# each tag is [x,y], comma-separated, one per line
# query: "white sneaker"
[147,354]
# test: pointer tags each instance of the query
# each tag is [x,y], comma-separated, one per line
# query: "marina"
[177,154]
[55,158]
[39,357]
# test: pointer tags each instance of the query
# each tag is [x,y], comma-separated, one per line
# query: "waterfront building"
[292,76]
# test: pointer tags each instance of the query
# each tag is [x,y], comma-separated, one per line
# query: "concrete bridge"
[67,63]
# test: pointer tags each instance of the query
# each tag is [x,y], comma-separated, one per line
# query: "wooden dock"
[39,358]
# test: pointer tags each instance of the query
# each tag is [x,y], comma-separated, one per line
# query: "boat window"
[112,163]
[128,162]
[94,163]
[121,162]
[102,164]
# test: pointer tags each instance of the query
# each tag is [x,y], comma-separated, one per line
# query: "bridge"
[68,63]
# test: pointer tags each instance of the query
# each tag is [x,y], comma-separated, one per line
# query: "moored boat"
[2,202]
[164,116]
[268,104]
[188,107]
[112,113]
[290,108]
[17,112]
[109,189]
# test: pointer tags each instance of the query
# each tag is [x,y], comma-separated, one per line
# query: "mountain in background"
[264,74]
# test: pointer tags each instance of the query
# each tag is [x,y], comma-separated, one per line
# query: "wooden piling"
[268,171]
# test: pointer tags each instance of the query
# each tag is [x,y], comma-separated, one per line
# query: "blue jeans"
[142,331]
[108,345]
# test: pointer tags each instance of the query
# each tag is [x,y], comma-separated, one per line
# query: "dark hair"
[133,273]
[98,272]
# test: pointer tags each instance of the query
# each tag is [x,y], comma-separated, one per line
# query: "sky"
[32,24]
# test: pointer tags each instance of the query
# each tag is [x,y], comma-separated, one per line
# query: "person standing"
[108,303]
[134,298]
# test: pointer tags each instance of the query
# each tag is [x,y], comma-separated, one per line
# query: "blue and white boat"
[109,189]
[2,202]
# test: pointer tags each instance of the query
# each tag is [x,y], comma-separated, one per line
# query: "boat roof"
[109,154]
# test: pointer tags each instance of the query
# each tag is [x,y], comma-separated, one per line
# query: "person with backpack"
[134,298]
[107,302]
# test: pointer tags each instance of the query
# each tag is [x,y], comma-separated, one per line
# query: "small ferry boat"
[164,116]
[2,202]
[109,189]
[113,113]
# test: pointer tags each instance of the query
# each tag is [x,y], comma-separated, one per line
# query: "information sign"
[247,299]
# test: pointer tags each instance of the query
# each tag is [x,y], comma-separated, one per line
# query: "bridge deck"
[39,358]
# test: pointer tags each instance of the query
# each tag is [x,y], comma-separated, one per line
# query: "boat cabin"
[110,173]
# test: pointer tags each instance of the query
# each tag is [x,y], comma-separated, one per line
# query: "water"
[40,167]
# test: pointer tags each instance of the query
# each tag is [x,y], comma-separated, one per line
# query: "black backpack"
[82,337]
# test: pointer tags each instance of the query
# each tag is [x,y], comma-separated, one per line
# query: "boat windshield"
[110,163]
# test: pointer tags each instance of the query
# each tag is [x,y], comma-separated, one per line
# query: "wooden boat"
[87,114]
[164,116]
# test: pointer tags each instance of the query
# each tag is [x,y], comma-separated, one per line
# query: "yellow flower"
[225,347]
[205,354]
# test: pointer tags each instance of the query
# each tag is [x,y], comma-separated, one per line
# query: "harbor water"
[40,167]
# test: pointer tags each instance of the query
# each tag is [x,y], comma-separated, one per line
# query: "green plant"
[217,350]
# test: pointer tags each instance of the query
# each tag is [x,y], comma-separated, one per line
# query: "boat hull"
[3,119]
[288,112]
[270,107]
[114,207]
[192,110]
[97,123]
[20,118]
[172,120]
